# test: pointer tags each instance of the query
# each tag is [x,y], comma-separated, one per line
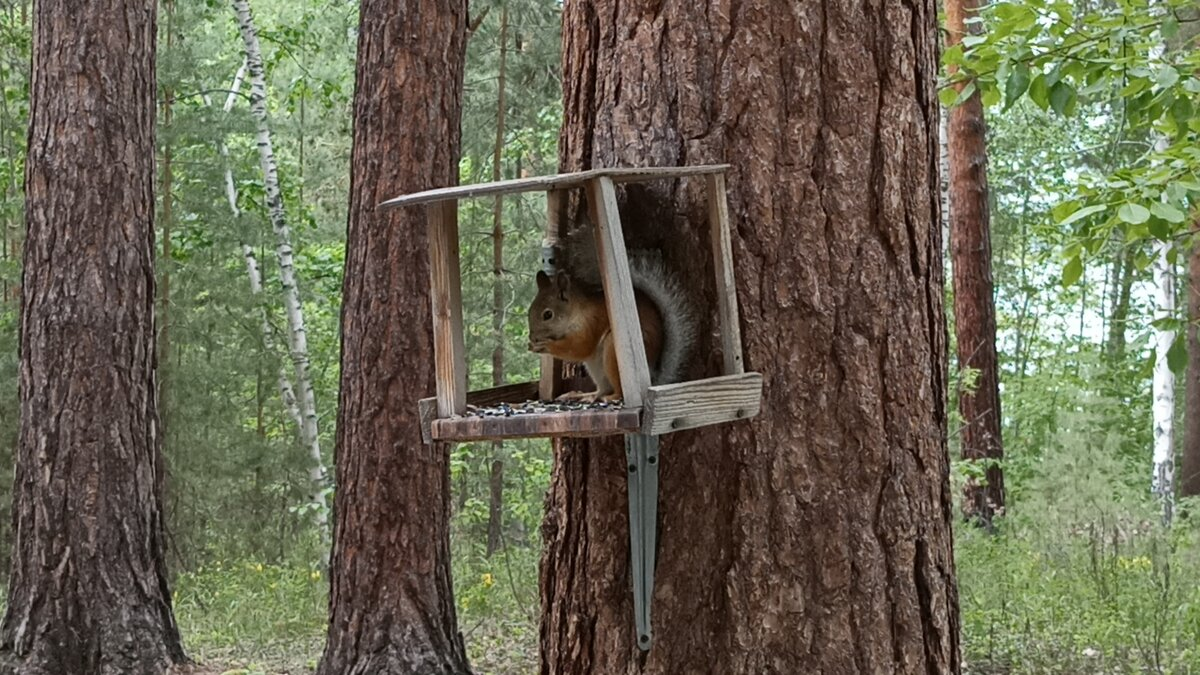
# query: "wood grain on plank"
[551,368]
[626,330]
[508,393]
[449,352]
[718,220]
[672,407]
[571,424]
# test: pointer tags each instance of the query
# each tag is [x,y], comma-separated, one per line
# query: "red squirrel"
[569,320]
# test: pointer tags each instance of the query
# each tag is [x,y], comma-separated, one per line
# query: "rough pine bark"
[391,601]
[88,589]
[817,537]
[974,305]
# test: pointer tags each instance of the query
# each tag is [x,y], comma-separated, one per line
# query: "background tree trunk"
[391,602]
[496,475]
[815,539]
[1189,480]
[1114,348]
[88,589]
[974,306]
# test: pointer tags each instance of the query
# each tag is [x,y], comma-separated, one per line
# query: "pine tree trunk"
[816,538]
[88,590]
[391,600]
[496,477]
[974,307]
[297,337]
[10,237]
[168,209]
[1189,481]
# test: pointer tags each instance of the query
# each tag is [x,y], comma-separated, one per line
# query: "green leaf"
[1181,110]
[1167,77]
[1072,271]
[1063,209]
[1039,91]
[1167,212]
[990,97]
[947,96]
[972,40]
[1018,82]
[1083,213]
[1136,86]
[1159,230]
[1134,214]
[1063,98]
[1170,26]
[1177,354]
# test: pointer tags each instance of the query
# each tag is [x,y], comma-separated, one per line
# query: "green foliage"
[1080,577]
[1126,61]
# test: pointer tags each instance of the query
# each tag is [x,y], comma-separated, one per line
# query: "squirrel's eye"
[547,315]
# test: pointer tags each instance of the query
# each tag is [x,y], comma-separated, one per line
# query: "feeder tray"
[528,409]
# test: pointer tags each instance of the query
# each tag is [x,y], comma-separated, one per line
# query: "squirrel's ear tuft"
[563,281]
[543,281]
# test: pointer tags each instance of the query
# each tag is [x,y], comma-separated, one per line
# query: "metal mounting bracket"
[641,460]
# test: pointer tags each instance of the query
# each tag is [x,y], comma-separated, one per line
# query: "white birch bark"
[1163,386]
[287,393]
[1163,480]
[297,338]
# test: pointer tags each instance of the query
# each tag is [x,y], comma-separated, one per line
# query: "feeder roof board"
[562,181]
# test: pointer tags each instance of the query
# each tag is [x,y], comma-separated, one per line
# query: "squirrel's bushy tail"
[664,289]
[678,316]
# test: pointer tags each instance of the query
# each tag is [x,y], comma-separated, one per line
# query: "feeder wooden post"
[550,384]
[445,292]
[718,221]
[618,292]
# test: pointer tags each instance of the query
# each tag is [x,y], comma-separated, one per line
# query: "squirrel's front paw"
[611,398]
[583,396]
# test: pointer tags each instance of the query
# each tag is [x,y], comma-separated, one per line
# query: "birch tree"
[287,393]
[297,340]
[1163,385]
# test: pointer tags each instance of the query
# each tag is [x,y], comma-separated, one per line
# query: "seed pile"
[535,407]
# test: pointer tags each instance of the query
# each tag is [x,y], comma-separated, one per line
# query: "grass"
[1090,588]
[249,618]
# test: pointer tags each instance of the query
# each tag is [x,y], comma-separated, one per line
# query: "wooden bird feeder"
[648,411]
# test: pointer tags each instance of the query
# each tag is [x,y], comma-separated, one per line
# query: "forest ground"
[1046,594]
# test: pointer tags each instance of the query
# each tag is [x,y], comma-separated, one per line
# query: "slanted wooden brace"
[648,411]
